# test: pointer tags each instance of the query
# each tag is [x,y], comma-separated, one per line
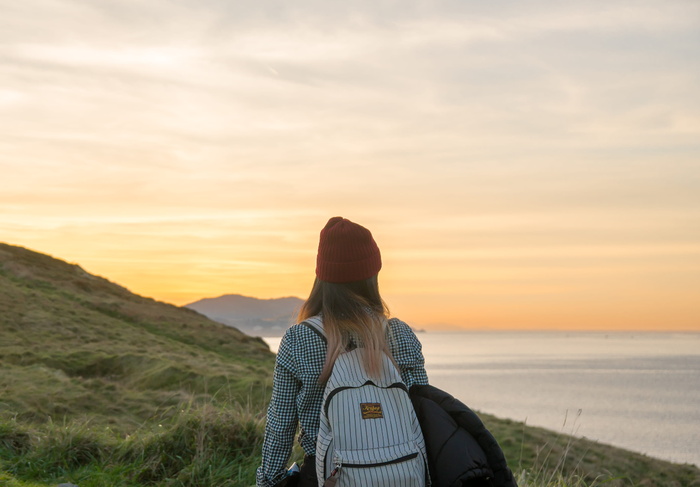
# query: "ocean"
[639,391]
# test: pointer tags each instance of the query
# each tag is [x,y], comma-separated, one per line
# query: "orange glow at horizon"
[569,287]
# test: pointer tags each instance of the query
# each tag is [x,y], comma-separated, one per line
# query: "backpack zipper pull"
[330,481]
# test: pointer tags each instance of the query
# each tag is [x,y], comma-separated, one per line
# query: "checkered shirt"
[297,397]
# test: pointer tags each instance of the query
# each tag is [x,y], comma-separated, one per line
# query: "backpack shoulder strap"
[316,325]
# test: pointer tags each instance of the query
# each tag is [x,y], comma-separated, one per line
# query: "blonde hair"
[354,315]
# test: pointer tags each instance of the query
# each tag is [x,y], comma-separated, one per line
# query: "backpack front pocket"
[393,466]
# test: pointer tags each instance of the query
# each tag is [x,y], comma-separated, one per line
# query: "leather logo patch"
[371,410]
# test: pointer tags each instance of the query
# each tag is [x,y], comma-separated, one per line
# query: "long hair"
[353,313]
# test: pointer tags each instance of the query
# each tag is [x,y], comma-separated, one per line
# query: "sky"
[521,165]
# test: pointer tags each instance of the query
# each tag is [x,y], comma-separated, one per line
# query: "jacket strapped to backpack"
[461,451]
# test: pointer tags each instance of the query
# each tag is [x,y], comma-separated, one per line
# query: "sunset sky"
[521,164]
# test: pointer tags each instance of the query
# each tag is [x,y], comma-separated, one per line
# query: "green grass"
[99,386]
[545,458]
[77,346]
[200,446]
[206,445]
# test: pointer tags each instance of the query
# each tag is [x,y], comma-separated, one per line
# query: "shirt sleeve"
[408,353]
[282,417]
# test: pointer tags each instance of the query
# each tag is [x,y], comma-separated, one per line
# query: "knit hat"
[346,252]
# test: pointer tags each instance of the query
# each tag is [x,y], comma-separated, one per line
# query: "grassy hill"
[74,344]
[92,375]
[101,387]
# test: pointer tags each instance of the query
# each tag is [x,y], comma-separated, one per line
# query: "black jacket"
[461,451]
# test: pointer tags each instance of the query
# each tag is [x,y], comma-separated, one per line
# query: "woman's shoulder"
[401,334]
[398,326]
[404,344]
[304,331]
[300,344]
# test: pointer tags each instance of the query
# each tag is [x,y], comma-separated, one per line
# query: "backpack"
[369,434]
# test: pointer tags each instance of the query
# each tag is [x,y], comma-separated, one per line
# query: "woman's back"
[345,298]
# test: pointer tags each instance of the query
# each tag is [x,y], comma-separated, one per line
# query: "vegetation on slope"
[101,387]
[74,345]
[544,458]
[201,446]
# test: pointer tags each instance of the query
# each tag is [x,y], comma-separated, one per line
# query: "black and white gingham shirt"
[297,396]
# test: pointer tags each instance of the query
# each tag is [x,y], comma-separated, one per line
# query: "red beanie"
[346,252]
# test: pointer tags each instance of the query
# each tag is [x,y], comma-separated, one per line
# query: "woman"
[346,296]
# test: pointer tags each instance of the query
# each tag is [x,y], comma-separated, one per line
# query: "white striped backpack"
[369,435]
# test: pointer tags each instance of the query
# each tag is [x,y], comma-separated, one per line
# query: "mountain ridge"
[255,316]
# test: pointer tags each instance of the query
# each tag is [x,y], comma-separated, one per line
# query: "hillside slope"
[76,345]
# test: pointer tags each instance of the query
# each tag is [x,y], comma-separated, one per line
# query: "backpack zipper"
[395,385]
[388,462]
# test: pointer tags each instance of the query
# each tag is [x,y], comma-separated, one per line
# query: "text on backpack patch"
[371,410]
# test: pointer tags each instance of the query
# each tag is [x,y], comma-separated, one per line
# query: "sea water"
[639,391]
